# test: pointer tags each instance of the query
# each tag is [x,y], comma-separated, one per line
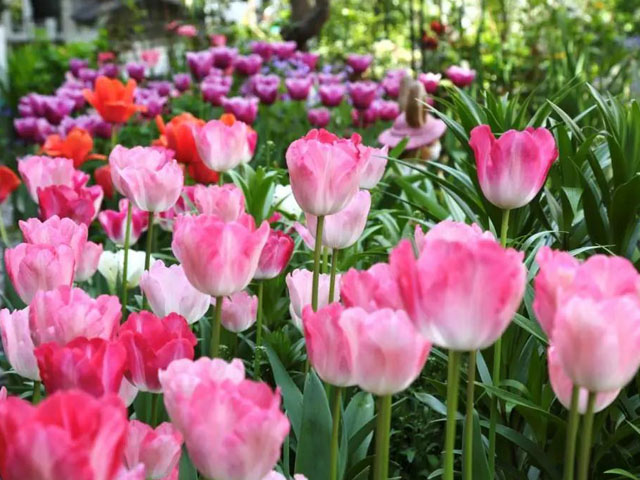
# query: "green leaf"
[480,465]
[623,215]
[187,470]
[621,473]
[291,395]
[359,411]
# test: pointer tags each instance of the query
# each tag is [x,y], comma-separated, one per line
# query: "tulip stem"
[3,231]
[257,353]
[316,263]
[336,407]
[332,278]
[147,257]
[35,399]
[215,328]
[453,380]
[155,403]
[468,425]
[572,432]
[125,266]
[585,444]
[220,178]
[383,427]
[497,364]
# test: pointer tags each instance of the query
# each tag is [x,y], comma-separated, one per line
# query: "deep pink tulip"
[359,63]
[224,201]
[233,428]
[248,64]
[244,109]
[318,117]
[563,386]
[214,92]
[39,267]
[330,350]
[152,343]
[391,85]
[387,110]
[219,258]
[223,56]
[223,145]
[371,289]
[157,449]
[512,169]
[148,176]
[430,81]
[79,203]
[94,366]
[388,351]
[17,343]
[262,48]
[284,50]
[182,82]
[310,59]
[363,94]
[374,163]
[239,311]
[168,291]
[199,63]
[298,88]
[299,286]
[463,290]
[70,435]
[324,172]
[65,313]
[331,94]
[114,223]
[40,172]
[266,92]
[275,255]
[460,76]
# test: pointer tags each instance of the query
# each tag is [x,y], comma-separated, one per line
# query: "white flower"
[285,202]
[111,265]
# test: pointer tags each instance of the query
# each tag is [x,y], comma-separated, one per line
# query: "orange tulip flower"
[9,181]
[76,146]
[177,136]
[112,99]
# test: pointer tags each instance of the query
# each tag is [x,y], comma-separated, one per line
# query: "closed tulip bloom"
[244,109]
[324,172]
[66,313]
[299,286]
[80,203]
[136,473]
[359,63]
[597,340]
[39,267]
[363,94]
[331,95]
[463,289]
[149,177]
[371,289]
[168,291]
[275,255]
[102,177]
[219,258]
[330,350]
[39,172]
[111,266]
[114,223]
[17,343]
[158,449]
[226,143]
[224,201]
[512,169]
[248,64]
[375,161]
[152,343]
[177,135]
[298,88]
[55,231]
[343,229]
[563,386]
[430,81]
[88,264]
[68,435]
[388,351]
[94,366]
[112,99]
[319,117]
[460,76]
[239,311]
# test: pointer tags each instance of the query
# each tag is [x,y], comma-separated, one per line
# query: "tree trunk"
[306,21]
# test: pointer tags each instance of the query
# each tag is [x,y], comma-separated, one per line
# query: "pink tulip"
[275,255]
[597,340]
[79,203]
[88,264]
[430,81]
[298,88]
[70,435]
[374,163]
[463,289]
[94,366]
[65,313]
[223,147]
[343,229]
[563,386]
[319,117]
[299,285]
[512,169]
[38,267]
[185,204]
[148,176]
[218,258]
[152,343]
[239,311]
[17,343]
[388,352]
[114,223]
[324,172]
[188,31]
[137,473]
[371,289]
[40,172]
[278,476]
[244,109]
[168,291]
[159,450]
[233,428]
[328,345]
[460,76]
[225,202]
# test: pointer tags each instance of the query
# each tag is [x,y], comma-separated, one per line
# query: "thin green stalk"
[332,278]
[383,427]
[114,136]
[316,263]
[258,350]
[155,403]
[468,425]
[497,364]
[585,444]
[572,432]
[35,399]
[325,260]
[453,380]
[215,328]
[125,266]
[336,408]
[3,231]
[147,258]
[220,178]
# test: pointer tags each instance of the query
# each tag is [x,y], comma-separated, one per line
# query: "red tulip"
[112,99]
[9,181]
[275,255]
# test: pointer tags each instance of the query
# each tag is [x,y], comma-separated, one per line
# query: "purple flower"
[262,48]
[110,70]
[200,63]
[284,50]
[88,75]
[153,102]
[318,117]
[331,94]
[56,108]
[163,87]
[359,63]
[75,64]
[298,88]
[33,129]
[363,94]
[182,82]
[135,70]
[386,109]
[244,109]
[249,64]
[223,57]
[214,91]
[307,58]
